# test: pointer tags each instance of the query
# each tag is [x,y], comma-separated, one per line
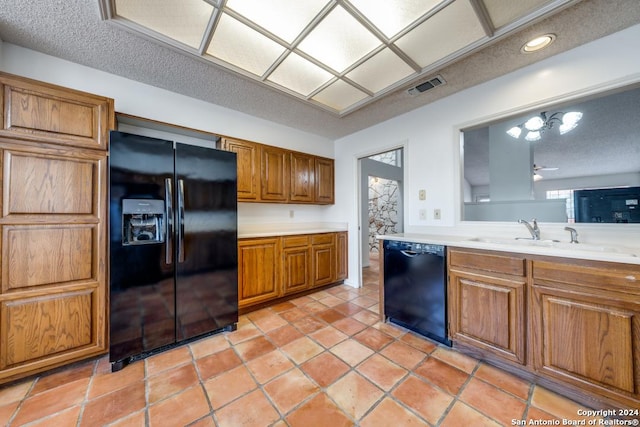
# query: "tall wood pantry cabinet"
[53,274]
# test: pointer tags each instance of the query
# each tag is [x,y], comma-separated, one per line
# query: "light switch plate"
[436,214]
[422,195]
[422,214]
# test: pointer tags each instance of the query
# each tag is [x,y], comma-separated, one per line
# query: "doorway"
[381,201]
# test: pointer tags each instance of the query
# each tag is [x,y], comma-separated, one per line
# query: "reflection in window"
[564,194]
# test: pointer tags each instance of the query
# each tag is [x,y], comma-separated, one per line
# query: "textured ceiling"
[73,30]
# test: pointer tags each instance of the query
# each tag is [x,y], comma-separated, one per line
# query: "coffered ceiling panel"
[338,55]
[299,75]
[339,95]
[426,44]
[339,40]
[243,47]
[184,21]
[393,16]
[381,71]
[503,12]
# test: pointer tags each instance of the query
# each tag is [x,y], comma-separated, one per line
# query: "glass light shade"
[567,127]
[536,177]
[244,47]
[283,18]
[515,132]
[533,136]
[534,123]
[339,40]
[572,117]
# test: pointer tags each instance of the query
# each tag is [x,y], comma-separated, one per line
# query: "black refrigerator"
[173,244]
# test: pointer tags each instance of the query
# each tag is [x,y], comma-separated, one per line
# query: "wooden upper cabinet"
[248,155]
[42,112]
[324,180]
[274,173]
[302,177]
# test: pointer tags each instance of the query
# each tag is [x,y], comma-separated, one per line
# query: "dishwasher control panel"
[420,248]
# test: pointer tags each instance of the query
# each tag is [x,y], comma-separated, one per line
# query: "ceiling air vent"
[429,84]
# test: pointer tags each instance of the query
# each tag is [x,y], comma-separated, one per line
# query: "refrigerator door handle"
[180,220]
[168,207]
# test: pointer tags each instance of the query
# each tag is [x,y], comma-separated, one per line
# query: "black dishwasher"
[415,292]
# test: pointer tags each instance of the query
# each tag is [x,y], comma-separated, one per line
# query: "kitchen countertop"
[595,252]
[270,230]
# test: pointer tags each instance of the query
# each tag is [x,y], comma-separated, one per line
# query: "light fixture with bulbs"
[537,125]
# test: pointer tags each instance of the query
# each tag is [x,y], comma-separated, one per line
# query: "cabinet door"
[586,336]
[488,312]
[342,249]
[323,257]
[275,174]
[297,263]
[258,270]
[324,180]
[42,112]
[302,177]
[248,167]
[53,243]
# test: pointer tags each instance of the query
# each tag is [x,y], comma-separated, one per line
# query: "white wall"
[432,159]
[158,104]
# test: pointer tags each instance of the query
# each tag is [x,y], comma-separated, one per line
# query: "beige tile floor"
[318,360]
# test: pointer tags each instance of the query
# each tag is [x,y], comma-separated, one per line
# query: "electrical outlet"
[422,214]
[291,214]
[436,214]
[422,195]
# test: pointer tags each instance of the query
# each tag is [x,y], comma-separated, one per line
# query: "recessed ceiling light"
[538,43]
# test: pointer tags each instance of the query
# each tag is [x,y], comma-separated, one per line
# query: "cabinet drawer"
[295,241]
[621,278]
[321,239]
[488,261]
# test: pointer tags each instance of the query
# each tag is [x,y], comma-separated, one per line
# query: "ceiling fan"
[536,168]
[543,168]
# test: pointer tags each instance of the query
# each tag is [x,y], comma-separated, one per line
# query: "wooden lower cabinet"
[296,257]
[276,268]
[342,248]
[323,259]
[586,328]
[258,270]
[573,325]
[487,303]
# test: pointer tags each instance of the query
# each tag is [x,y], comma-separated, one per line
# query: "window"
[564,194]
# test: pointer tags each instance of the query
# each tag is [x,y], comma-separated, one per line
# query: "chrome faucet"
[534,230]
[574,234]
